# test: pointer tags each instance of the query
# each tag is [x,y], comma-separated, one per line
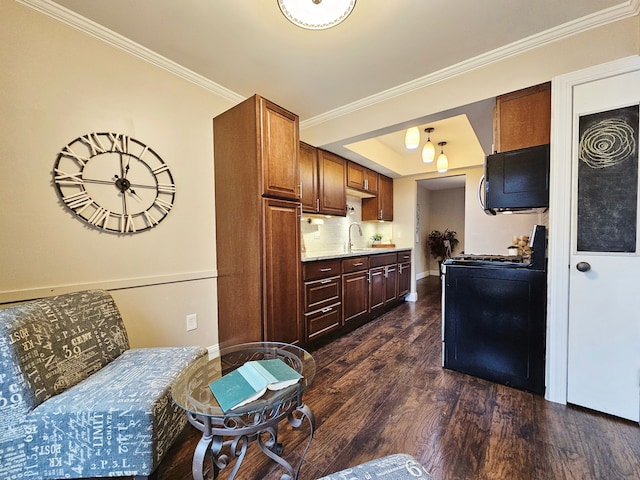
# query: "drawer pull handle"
[327,309]
[328,269]
[324,282]
[359,264]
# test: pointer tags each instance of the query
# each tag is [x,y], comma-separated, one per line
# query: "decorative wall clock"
[114,182]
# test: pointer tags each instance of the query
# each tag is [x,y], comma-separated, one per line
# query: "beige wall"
[58,84]
[421,260]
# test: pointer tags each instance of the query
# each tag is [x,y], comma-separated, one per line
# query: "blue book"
[250,381]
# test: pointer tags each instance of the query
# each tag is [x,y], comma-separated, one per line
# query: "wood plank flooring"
[381,390]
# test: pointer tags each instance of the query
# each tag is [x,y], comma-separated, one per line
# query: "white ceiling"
[247,46]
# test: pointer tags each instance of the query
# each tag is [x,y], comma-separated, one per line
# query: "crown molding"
[624,10]
[114,39]
[603,17]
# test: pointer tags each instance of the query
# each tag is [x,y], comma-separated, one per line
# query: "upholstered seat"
[75,400]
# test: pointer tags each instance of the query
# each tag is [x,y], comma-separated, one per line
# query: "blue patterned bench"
[392,467]
[75,400]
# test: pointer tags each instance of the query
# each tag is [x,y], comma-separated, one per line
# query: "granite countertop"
[356,252]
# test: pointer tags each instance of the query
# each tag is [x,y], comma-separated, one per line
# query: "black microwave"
[516,181]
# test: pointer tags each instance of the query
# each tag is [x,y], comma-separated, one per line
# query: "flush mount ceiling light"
[428,151]
[443,162]
[316,14]
[412,138]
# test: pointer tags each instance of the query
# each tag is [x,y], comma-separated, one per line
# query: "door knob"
[583,266]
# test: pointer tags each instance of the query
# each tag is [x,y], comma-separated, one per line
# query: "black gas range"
[494,316]
[537,260]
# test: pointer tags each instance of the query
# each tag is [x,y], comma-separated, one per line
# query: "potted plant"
[442,244]
[376,238]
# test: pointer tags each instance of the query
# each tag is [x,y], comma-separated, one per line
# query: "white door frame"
[560,217]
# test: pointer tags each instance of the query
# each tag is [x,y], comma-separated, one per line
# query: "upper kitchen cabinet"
[309,177]
[523,118]
[323,177]
[380,207]
[278,151]
[257,223]
[361,179]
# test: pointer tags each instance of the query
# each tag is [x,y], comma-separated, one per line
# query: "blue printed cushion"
[392,467]
[59,341]
[118,422]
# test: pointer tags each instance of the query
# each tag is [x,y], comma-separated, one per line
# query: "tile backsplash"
[321,234]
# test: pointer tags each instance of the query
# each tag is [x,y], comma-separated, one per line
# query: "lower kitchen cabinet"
[343,293]
[322,298]
[404,273]
[355,288]
[376,288]
[384,278]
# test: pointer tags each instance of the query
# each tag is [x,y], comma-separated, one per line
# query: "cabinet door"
[279,152]
[355,295]
[404,279]
[322,321]
[355,176]
[385,196]
[376,288]
[379,207]
[390,283]
[332,171]
[371,181]
[281,273]
[309,178]
[523,118]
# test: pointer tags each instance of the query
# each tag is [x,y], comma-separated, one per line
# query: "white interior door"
[604,289]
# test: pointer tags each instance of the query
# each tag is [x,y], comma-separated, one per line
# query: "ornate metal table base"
[224,439]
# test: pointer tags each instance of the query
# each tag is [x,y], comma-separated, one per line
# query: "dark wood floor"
[381,390]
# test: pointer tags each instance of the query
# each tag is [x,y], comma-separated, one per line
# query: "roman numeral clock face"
[114,182]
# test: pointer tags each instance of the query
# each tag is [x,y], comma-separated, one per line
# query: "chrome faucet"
[350,245]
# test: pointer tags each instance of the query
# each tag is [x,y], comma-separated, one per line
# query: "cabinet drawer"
[321,293]
[404,257]
[355,264]
[383,259]
[322,321]
[320,269]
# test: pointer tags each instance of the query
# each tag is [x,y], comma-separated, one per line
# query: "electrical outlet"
[192,322]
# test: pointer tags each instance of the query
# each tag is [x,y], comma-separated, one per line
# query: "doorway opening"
[440,205]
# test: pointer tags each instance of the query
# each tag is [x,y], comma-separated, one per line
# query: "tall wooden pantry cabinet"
[257,195]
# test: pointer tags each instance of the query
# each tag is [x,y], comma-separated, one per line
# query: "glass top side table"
[227,435]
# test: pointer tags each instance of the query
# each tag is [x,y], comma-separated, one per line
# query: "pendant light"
[428,151]
[412,138]
[316,14]
[443,162]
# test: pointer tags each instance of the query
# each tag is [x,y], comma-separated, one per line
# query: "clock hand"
[126,169]
[134,194]
[139,185]
[122,167]
[101,182]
